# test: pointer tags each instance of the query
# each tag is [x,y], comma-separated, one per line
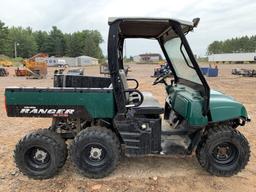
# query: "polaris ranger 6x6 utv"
[102,114]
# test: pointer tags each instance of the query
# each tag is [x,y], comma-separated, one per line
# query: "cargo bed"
[86,103]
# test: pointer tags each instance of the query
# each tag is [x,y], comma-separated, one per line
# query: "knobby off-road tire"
[95,151]
[225,152]
[60,141]
[40,154]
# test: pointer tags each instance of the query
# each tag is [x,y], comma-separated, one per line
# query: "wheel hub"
[95,153]
[40,155]
[225,153]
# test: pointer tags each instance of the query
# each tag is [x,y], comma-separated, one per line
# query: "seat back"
[123,78]
[124,82]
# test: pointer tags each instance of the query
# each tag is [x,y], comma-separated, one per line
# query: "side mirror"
[196,21]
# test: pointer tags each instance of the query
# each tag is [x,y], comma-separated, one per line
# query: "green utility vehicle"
[105,117]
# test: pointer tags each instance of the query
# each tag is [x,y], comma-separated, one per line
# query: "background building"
[147,58]
[86,60]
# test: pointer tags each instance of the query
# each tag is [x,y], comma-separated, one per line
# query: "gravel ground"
[133,174]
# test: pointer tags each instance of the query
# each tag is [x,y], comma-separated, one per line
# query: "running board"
[174,145]
[175,132]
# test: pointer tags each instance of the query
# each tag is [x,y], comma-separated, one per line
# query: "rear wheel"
[40,154]
[225,152]
[95,151]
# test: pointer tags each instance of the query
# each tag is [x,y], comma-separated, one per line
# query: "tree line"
[243,44]
[54,43]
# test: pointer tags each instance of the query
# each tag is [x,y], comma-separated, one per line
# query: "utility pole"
[15,49]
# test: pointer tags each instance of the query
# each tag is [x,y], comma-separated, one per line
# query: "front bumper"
[248,119]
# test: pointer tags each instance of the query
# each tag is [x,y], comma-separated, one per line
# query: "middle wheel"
[96,151]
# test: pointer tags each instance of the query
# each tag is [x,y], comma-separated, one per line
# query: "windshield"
[180,60]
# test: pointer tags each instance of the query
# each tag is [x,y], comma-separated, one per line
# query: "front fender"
[224,108]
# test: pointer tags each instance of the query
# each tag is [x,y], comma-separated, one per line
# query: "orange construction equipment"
[35,67]
[5,63]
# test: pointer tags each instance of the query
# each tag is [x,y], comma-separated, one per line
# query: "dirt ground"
[133,174]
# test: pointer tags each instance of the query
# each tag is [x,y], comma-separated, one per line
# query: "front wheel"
[95,151]
[225,152]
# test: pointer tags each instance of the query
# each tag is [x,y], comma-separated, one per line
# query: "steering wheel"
[137,97]
[161,79]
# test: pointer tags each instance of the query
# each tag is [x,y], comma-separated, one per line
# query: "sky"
[220,19]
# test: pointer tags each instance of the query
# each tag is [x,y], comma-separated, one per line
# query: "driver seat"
[149,105]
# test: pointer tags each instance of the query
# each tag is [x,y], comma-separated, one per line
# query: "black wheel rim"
[94,154]
[225,153]
[37,158]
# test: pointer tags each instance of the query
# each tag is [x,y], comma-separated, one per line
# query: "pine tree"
[3,39]
[234,45]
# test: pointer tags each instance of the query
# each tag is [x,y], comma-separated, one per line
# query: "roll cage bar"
[160,29]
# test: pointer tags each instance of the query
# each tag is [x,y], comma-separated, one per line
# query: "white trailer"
[233,57]
[61,62]
[56,62]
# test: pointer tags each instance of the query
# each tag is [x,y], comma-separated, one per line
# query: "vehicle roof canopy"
[150,27]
